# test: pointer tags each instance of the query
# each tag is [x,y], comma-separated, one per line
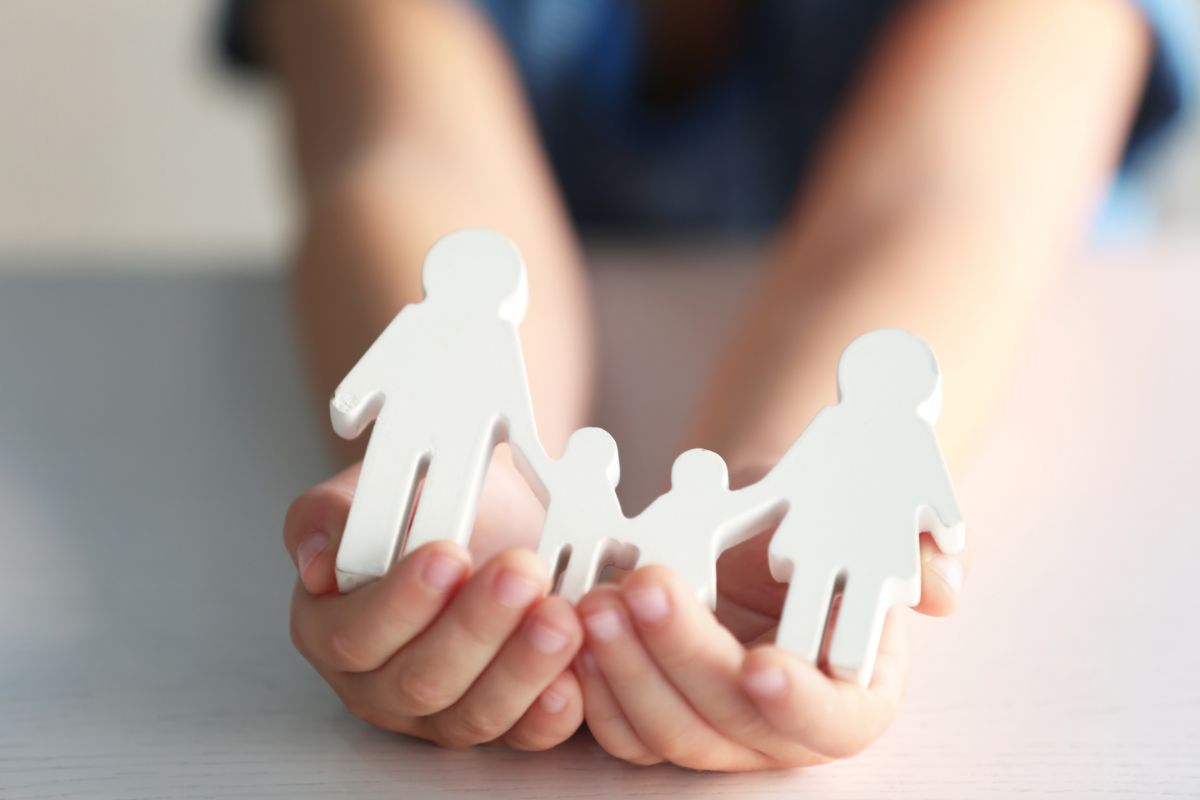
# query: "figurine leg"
[805,612]
[857,630]
[578,576]
[383,501]
[551,546]
[446,508]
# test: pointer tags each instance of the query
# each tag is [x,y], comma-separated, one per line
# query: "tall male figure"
[444,383]
[862,482]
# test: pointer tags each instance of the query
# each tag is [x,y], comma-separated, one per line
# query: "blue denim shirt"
[729,159]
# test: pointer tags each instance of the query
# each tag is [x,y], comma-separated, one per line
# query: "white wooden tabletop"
[152,431]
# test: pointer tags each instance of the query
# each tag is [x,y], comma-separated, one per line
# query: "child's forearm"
[959,177]
[407,124]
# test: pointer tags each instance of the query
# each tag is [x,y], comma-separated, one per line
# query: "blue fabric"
[731,157]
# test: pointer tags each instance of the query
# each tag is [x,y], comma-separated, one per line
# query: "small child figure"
[699,518]
[584,518]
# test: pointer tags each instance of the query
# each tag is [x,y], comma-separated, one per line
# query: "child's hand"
[432,649]
[666,680]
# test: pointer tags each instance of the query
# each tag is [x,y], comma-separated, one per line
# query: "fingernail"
[603,625]
[514,591]
[544,638]
[949,569]
[769,682]
[309,549]
[441,572]
[649,604]
[589,663]
[552,702]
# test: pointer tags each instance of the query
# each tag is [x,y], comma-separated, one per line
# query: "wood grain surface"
[152,431]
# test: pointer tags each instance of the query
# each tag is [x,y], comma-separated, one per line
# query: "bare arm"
[407,123]
[958,179]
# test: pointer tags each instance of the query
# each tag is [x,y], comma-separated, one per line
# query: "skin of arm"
[408,123]
[958,179]
[358,398]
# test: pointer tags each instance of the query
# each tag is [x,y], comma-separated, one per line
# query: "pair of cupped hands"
[468,647]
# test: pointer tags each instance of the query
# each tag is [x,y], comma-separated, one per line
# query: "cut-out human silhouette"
[585,526]
[862,482]
[444,383]
[690,526]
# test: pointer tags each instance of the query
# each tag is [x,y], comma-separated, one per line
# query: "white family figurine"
[445,382]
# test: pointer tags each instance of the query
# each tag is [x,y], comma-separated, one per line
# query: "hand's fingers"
[552,719]
[832,717]
[744,579]
[700,658]
[437,668]
[941,579]
[606,721]
[359,632]
[313,527]
[509,513]
[660,715]
[535,655]
[351,688]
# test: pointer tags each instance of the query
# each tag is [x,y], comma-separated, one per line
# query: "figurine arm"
[528,453]
[940,514]
[755,509]
[358,399]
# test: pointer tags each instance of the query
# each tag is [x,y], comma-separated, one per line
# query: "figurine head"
[699,470]
[480,270]
[891,368]
[592,451]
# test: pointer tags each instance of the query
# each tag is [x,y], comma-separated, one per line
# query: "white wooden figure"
[443,383]
[689,527]
[584,528]
[862,482]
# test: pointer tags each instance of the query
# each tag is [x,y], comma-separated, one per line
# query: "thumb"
[313,528]
[941,579]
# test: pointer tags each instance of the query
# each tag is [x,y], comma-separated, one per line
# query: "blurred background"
[123,140]
[154,425]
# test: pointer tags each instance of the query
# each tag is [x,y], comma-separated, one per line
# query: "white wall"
[119,138]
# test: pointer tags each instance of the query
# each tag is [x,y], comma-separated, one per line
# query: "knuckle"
[741,724]
[364,712]
[403,609]
[633,753]
[346,652]
[420,696]
[676,744]
[647,759]
[471,726]
[354,703]
[481,633]
[843,749]
[295,513]
[297,637]
[536,737]
[621,745]
[840,747]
